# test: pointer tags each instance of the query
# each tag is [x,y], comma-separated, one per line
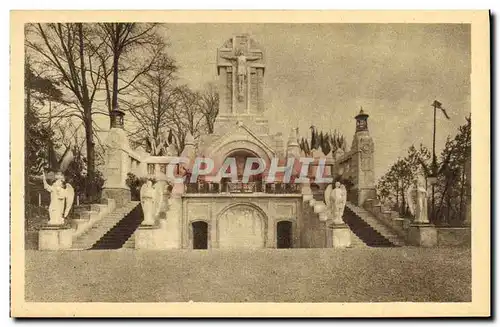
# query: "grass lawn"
[296,275]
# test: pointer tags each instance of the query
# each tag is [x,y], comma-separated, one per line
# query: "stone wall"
[210,207]
[454,236]
[313,231]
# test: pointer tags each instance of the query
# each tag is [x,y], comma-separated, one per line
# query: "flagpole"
[434,172]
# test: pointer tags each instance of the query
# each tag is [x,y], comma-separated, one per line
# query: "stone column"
[117,161]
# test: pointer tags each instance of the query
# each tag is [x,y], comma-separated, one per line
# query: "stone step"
[374,223]
[118,235]
[130,243]
[100,228]
[356,241]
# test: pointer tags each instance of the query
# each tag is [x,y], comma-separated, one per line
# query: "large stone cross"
[239,56]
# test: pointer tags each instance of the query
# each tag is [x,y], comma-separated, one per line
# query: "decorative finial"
[361,110]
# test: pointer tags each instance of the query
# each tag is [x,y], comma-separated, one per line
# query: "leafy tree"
[451,189]
[393,185]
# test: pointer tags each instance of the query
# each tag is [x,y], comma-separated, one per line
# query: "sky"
[321,74]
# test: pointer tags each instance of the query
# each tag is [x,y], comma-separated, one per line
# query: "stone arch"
[233,209]
[226,148]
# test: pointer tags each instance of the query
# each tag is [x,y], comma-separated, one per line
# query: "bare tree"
[130,51]
[187,116]
[210,106]
[64,50]
[154,97]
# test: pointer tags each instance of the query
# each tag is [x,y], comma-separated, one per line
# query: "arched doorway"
[284,235]
[242,226]
[200,235]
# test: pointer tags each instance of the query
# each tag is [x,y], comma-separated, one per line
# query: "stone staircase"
[369,229]
[88,239]
[130,243]
[356,242]
[119,234]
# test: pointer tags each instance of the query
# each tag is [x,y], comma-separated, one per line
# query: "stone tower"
[363,150]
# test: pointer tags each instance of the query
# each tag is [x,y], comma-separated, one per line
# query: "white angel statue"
[147,194]
[335,199]
[62,196]
[417,200]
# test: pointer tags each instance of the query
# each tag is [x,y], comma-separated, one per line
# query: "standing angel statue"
[62,195]
[335,199]
[152,201]
[148,198]
[417,200]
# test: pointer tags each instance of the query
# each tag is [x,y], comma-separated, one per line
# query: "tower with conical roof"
[362,149]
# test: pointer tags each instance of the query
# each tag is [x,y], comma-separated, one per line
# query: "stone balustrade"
[239,187]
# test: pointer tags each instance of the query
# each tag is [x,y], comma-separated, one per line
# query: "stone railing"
[239,187]
[388,217]
[446,236]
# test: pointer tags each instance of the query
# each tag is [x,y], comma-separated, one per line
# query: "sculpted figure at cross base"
[241,69]
[62,195]
[335,199]
[417,199]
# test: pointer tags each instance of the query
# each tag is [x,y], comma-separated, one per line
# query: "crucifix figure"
[241,68]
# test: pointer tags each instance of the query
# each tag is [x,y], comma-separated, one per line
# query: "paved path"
[292,275]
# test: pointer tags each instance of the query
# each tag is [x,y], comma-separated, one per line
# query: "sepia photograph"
[176,160]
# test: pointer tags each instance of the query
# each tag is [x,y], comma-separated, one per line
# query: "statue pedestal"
[424,235]
[55,238]
[340,236]
[151,237]
[121,196]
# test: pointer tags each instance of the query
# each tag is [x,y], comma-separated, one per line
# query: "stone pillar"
[117,161]
[362,159]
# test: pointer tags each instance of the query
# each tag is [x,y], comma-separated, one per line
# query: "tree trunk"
[397,200]
[462,187]
[90,190]
[114,102]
